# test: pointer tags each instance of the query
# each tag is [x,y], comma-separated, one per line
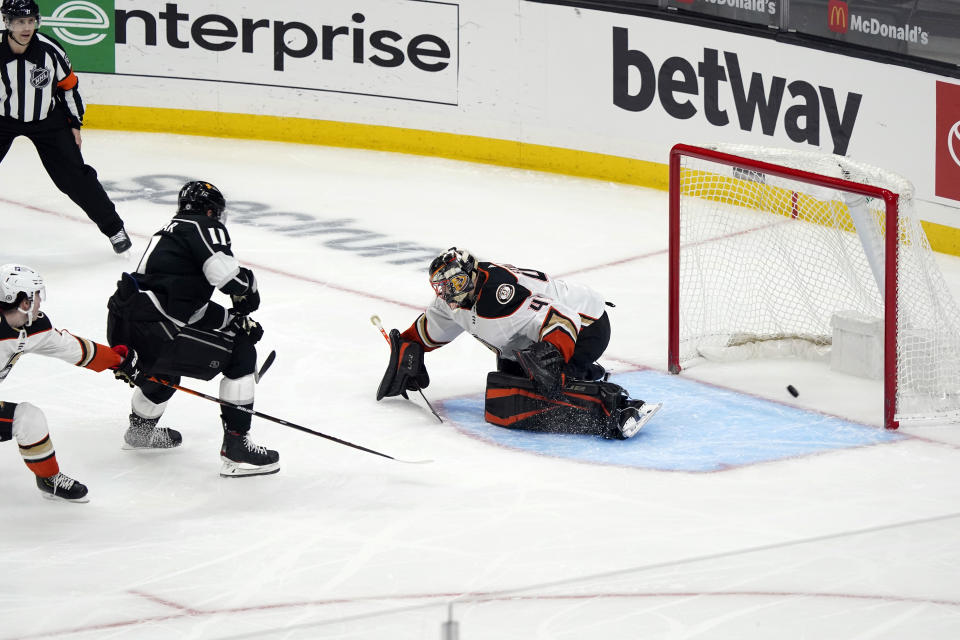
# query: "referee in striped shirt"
[39,99]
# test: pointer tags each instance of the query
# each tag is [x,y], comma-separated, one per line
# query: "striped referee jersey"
[32,83]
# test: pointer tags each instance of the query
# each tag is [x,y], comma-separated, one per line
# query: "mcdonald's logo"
[838,16]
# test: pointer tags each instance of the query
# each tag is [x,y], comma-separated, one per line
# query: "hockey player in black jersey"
[547,335]
[164,311]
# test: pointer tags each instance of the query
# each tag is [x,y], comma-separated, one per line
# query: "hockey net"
[767,246]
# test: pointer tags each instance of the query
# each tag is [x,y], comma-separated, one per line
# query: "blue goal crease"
[701,428]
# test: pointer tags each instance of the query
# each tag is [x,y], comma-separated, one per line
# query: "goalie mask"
[453,275]
[198,197]
[18,283]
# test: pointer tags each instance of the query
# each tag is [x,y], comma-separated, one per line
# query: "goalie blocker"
[405,371]
[589,408]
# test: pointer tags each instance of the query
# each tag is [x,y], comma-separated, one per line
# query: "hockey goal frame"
[891,205]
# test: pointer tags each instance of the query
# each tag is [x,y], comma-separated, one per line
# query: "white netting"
[765,258]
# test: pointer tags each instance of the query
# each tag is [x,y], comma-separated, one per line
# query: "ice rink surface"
[738,513]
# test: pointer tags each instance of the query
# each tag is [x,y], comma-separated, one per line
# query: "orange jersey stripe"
[69,82]
[103,358]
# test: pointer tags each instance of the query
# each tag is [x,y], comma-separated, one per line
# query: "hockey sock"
[36,448]
[41,458]
[236,421]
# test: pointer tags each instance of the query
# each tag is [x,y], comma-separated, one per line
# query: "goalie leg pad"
[590,408]
[405,370]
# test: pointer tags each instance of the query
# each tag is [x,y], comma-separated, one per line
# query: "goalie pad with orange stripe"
[590,408]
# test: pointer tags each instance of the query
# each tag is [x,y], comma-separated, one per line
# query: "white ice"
[857,543]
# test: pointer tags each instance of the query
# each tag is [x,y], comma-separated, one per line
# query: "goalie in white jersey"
[547,335]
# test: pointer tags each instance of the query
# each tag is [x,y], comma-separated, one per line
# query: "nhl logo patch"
[505,293]
[39,77]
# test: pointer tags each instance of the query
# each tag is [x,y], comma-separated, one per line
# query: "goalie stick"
[375,321]
[279,420]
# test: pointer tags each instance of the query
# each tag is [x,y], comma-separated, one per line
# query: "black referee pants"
[61,157]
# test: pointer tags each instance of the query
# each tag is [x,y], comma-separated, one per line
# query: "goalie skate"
[632,418]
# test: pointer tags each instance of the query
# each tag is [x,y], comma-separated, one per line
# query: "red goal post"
[769,245]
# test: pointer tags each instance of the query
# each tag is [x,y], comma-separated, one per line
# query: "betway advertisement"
[405,50]
[641,85]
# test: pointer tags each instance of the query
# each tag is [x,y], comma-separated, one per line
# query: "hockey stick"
[266,365]
[278,420]
[375,320]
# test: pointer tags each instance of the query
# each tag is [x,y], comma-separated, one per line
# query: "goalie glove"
[543,363]
[405,371]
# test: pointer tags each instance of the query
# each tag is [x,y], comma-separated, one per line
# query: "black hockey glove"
[405,371]
[543,363]
[246,325]
[129,368]
[246,303]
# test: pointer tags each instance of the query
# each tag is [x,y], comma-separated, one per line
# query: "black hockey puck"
[793,391]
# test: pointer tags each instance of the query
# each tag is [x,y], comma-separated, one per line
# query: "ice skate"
[61,487]
[242,457]
[633,416]
[143,433]
[121,242]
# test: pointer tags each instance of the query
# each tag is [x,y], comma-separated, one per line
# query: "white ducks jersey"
[513,309]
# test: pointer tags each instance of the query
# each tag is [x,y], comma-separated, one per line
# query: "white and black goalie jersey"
[513,309]
[183,264]
[32,83]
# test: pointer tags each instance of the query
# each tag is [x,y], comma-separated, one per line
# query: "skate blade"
[130,447]
[647,411]
[231,469]
[633,425]
[53,498]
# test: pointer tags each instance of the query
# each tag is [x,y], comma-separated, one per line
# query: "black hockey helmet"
[198,197]
[19,9]
[453,275]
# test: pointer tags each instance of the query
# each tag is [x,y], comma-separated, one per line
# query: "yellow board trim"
[507,153]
